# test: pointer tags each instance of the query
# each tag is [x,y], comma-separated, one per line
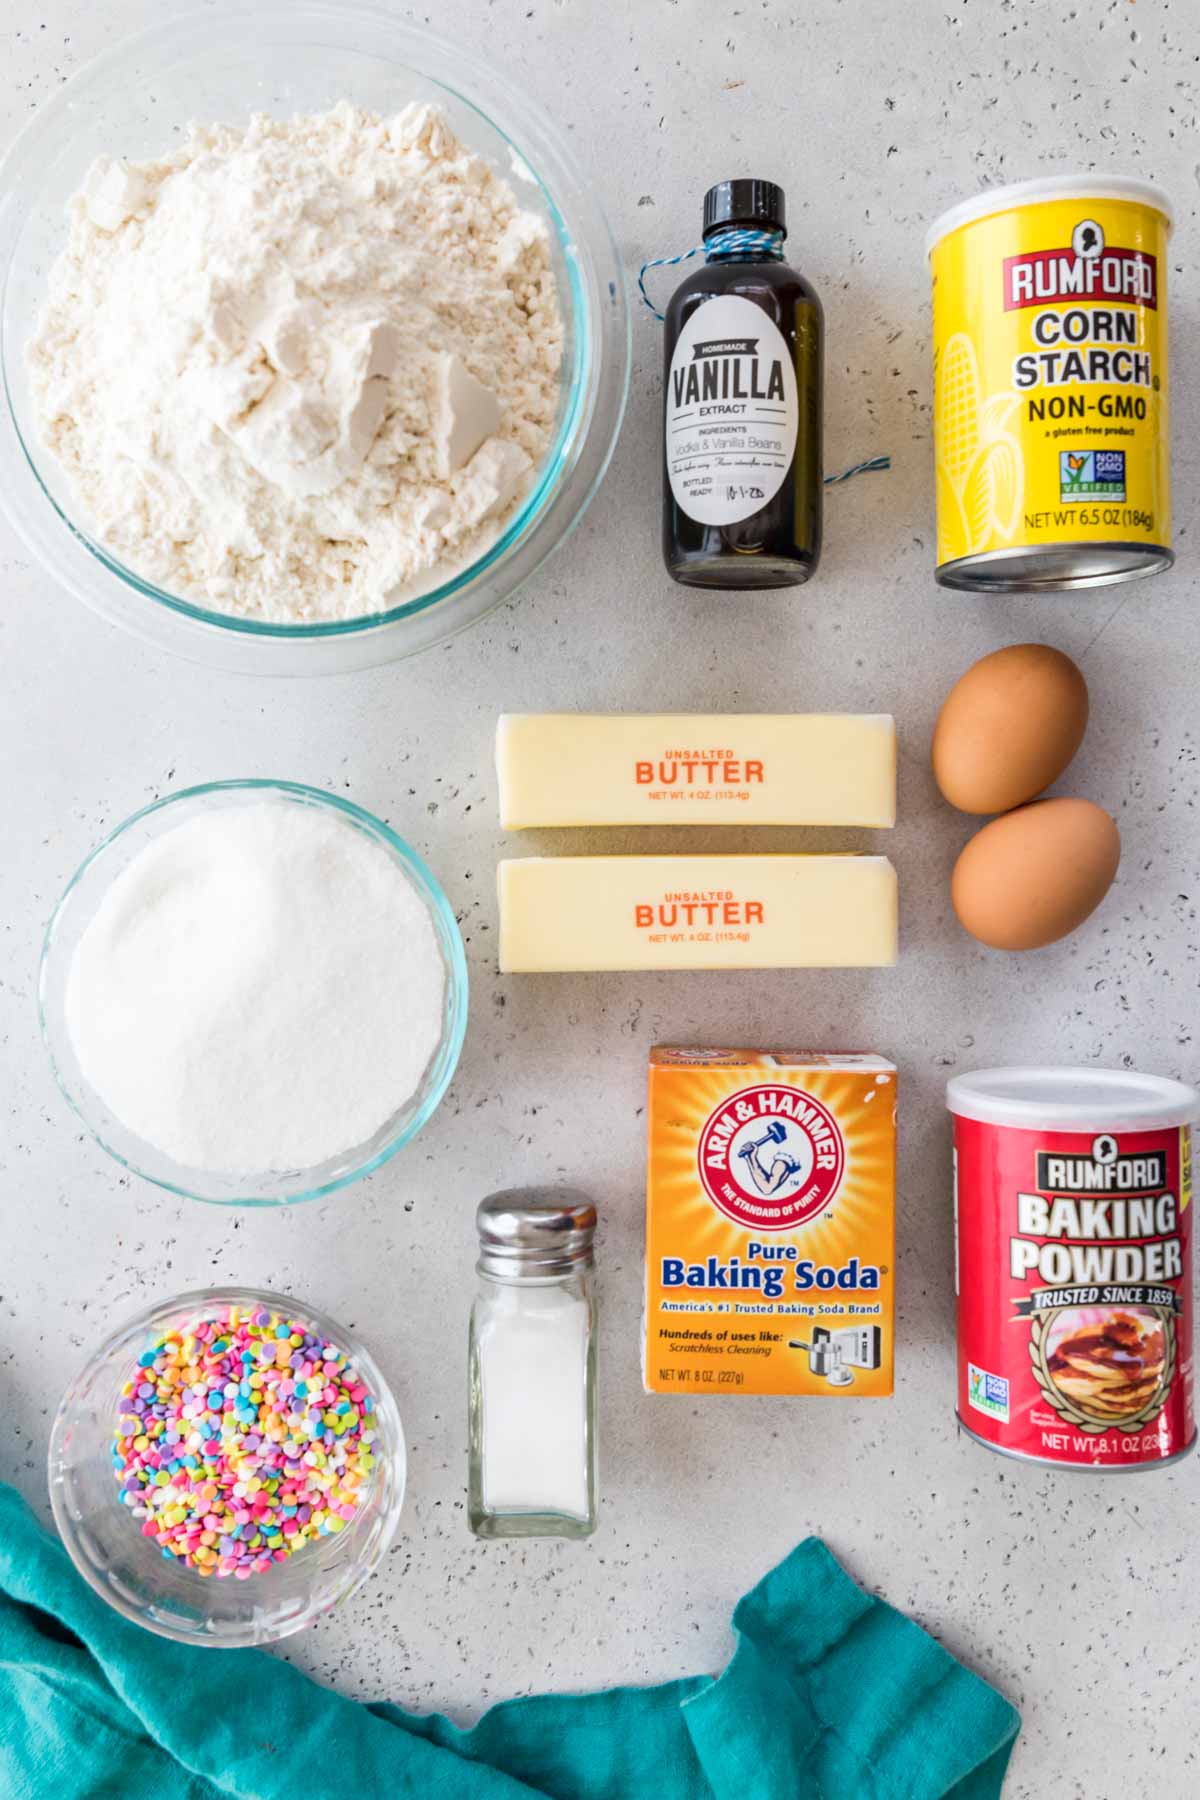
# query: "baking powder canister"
[1073,1264]
[1050,384]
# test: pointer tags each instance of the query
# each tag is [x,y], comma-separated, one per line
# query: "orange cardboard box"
[770,1223]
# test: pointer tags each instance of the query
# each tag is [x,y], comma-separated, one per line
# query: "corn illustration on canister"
[1050,385]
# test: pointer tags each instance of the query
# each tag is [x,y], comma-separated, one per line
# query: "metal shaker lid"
[530,1233]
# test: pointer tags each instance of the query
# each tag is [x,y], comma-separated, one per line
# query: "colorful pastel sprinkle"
[240,1440]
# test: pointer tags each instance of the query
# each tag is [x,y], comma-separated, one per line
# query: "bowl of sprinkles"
[228,1466]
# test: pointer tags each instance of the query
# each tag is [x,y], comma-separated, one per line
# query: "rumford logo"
[727,369]
[1086,269]
[771,1157]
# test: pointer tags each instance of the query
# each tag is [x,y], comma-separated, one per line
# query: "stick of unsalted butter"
[696,769]
[569,913]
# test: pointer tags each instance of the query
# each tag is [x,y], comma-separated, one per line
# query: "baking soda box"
[770,1223]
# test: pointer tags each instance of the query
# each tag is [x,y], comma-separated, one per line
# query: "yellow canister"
[1050,419]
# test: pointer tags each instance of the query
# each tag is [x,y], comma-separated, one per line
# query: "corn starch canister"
[1050,385]
[1073,1264]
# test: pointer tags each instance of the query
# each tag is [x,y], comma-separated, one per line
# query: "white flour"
[303,370]
[260,988]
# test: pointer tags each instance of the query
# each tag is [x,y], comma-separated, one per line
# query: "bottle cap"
[746,202]
[530,1233]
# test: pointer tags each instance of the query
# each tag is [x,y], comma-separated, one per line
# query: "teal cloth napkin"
[830,1695]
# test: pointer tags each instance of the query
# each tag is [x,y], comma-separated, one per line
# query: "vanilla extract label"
[732,412]
[727,369]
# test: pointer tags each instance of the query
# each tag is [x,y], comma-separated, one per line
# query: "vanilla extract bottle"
[744,352]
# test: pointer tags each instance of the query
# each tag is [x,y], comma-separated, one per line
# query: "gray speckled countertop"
[1075,1594]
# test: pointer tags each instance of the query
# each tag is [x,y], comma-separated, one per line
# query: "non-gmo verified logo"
[987,1393]
[1091,474]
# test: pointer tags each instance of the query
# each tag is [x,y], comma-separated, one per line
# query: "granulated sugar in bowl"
[253,992]
[313,361]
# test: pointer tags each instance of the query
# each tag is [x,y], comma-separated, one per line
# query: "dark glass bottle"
[744,351]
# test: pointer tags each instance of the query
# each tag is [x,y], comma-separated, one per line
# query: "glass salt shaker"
[532,1466]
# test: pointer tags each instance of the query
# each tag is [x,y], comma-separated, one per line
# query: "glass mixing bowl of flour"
[160,1592]
[225,66]
[169,1068]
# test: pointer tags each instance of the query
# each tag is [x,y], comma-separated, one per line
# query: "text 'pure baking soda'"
[1050,385]
[770,1223]
[1073,1264]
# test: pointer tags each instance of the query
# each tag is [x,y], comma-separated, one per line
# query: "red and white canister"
[1073,1264]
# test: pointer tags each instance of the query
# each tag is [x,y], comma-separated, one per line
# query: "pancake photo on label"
[1109,1362]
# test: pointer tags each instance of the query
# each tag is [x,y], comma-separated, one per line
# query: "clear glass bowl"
[225,64]
[77,908]
[104,1539]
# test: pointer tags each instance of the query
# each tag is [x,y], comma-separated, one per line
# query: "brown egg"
[1009,727]
[1033,875]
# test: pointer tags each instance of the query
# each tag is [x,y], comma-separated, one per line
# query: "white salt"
[259,989]
[533,1376]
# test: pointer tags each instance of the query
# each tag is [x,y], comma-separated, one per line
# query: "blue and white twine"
[723,244]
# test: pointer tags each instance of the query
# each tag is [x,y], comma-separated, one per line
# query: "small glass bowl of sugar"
[253,992]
